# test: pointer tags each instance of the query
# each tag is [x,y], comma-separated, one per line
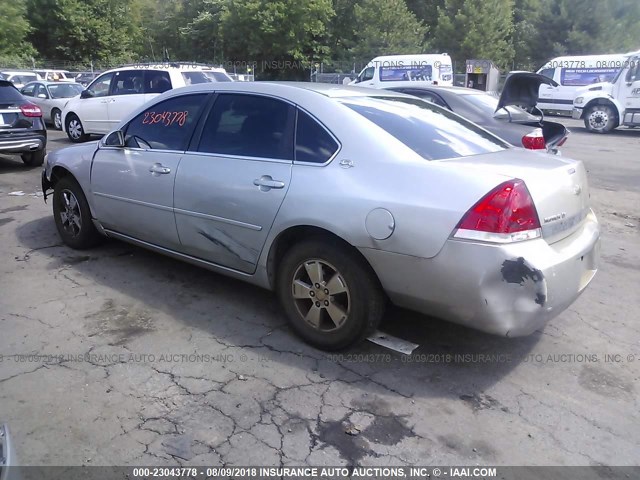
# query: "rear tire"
[72,215]
[34,159]
[600,119]
[75,130]
[331,297]
[56,119]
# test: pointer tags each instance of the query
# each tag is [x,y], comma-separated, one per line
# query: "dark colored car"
[22,129]
[502,116]
[85,78]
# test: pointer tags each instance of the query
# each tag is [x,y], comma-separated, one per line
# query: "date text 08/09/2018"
[315,472]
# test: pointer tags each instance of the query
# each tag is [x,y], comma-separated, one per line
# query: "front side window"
[167,125]
[100,87]
[313,143]
[128,82]
[548,72]
[367,74]
[249,125]
[41,90]
[431,131]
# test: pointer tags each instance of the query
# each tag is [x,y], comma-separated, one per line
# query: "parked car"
[338,198]
[504,118]
[19,78]
[54,75]
[116,93]
[85,78]
[51,97]
[22,129]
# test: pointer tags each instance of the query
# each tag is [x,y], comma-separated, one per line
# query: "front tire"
[56,119]
[331,297]
[75,130]
[600,119]
[72,215]
[34,159]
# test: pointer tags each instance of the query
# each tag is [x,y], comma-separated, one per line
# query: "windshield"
[431,131]
[487,104]
[65,91]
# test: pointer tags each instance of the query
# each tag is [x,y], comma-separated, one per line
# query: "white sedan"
[51,97]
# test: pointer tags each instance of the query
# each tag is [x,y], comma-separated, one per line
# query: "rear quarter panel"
[426,198]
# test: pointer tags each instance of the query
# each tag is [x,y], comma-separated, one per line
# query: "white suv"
[114,94]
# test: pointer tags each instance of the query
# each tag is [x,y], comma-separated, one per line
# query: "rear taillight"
[505,214]
[534,140]
[30,110]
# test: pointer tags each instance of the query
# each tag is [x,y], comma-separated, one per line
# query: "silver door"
[132,186]
[228,193]
[133,193]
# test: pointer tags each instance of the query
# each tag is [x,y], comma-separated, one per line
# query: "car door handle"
[158,168]
[266,183]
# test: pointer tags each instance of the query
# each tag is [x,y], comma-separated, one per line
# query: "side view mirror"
[114,139]
[42,95]
[85,94]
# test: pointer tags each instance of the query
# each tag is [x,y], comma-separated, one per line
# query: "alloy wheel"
[598,119]
[70,215]
[321,295]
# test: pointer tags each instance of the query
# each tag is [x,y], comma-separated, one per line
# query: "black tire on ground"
[363,305]
[34,159]
[56,118]
[600,119]
[75,130]
[72,215]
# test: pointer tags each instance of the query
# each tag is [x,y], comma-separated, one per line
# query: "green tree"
[427,12]
[14,28]
[470,29]
[386,28]
[272,33]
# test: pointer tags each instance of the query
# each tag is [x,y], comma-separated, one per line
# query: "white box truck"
[572,73]
[606,105]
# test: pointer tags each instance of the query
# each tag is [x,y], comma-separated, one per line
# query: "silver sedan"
[339,199]
[51,97]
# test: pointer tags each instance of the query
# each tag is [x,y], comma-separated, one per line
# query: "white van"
[435,69]
[572,73]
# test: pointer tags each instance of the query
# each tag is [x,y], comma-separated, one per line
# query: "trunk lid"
[521,88]
[558,186]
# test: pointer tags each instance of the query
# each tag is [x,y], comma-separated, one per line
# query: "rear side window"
[218,76]
[313,143]
[167,125]
[9,93]
[192,78]
[128,82]
[157,81]
[431,131]
[249,125]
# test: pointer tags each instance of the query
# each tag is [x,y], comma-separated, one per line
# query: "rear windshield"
[219,76]
[487,104]
[9,93]
[431,131]
[191,78]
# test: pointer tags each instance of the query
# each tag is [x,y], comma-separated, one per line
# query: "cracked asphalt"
[119,356]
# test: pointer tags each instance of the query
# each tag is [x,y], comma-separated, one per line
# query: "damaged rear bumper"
[510,290]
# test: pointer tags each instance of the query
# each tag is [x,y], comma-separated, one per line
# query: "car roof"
[279,88]
[18,72]
[181,67]
[430,86]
